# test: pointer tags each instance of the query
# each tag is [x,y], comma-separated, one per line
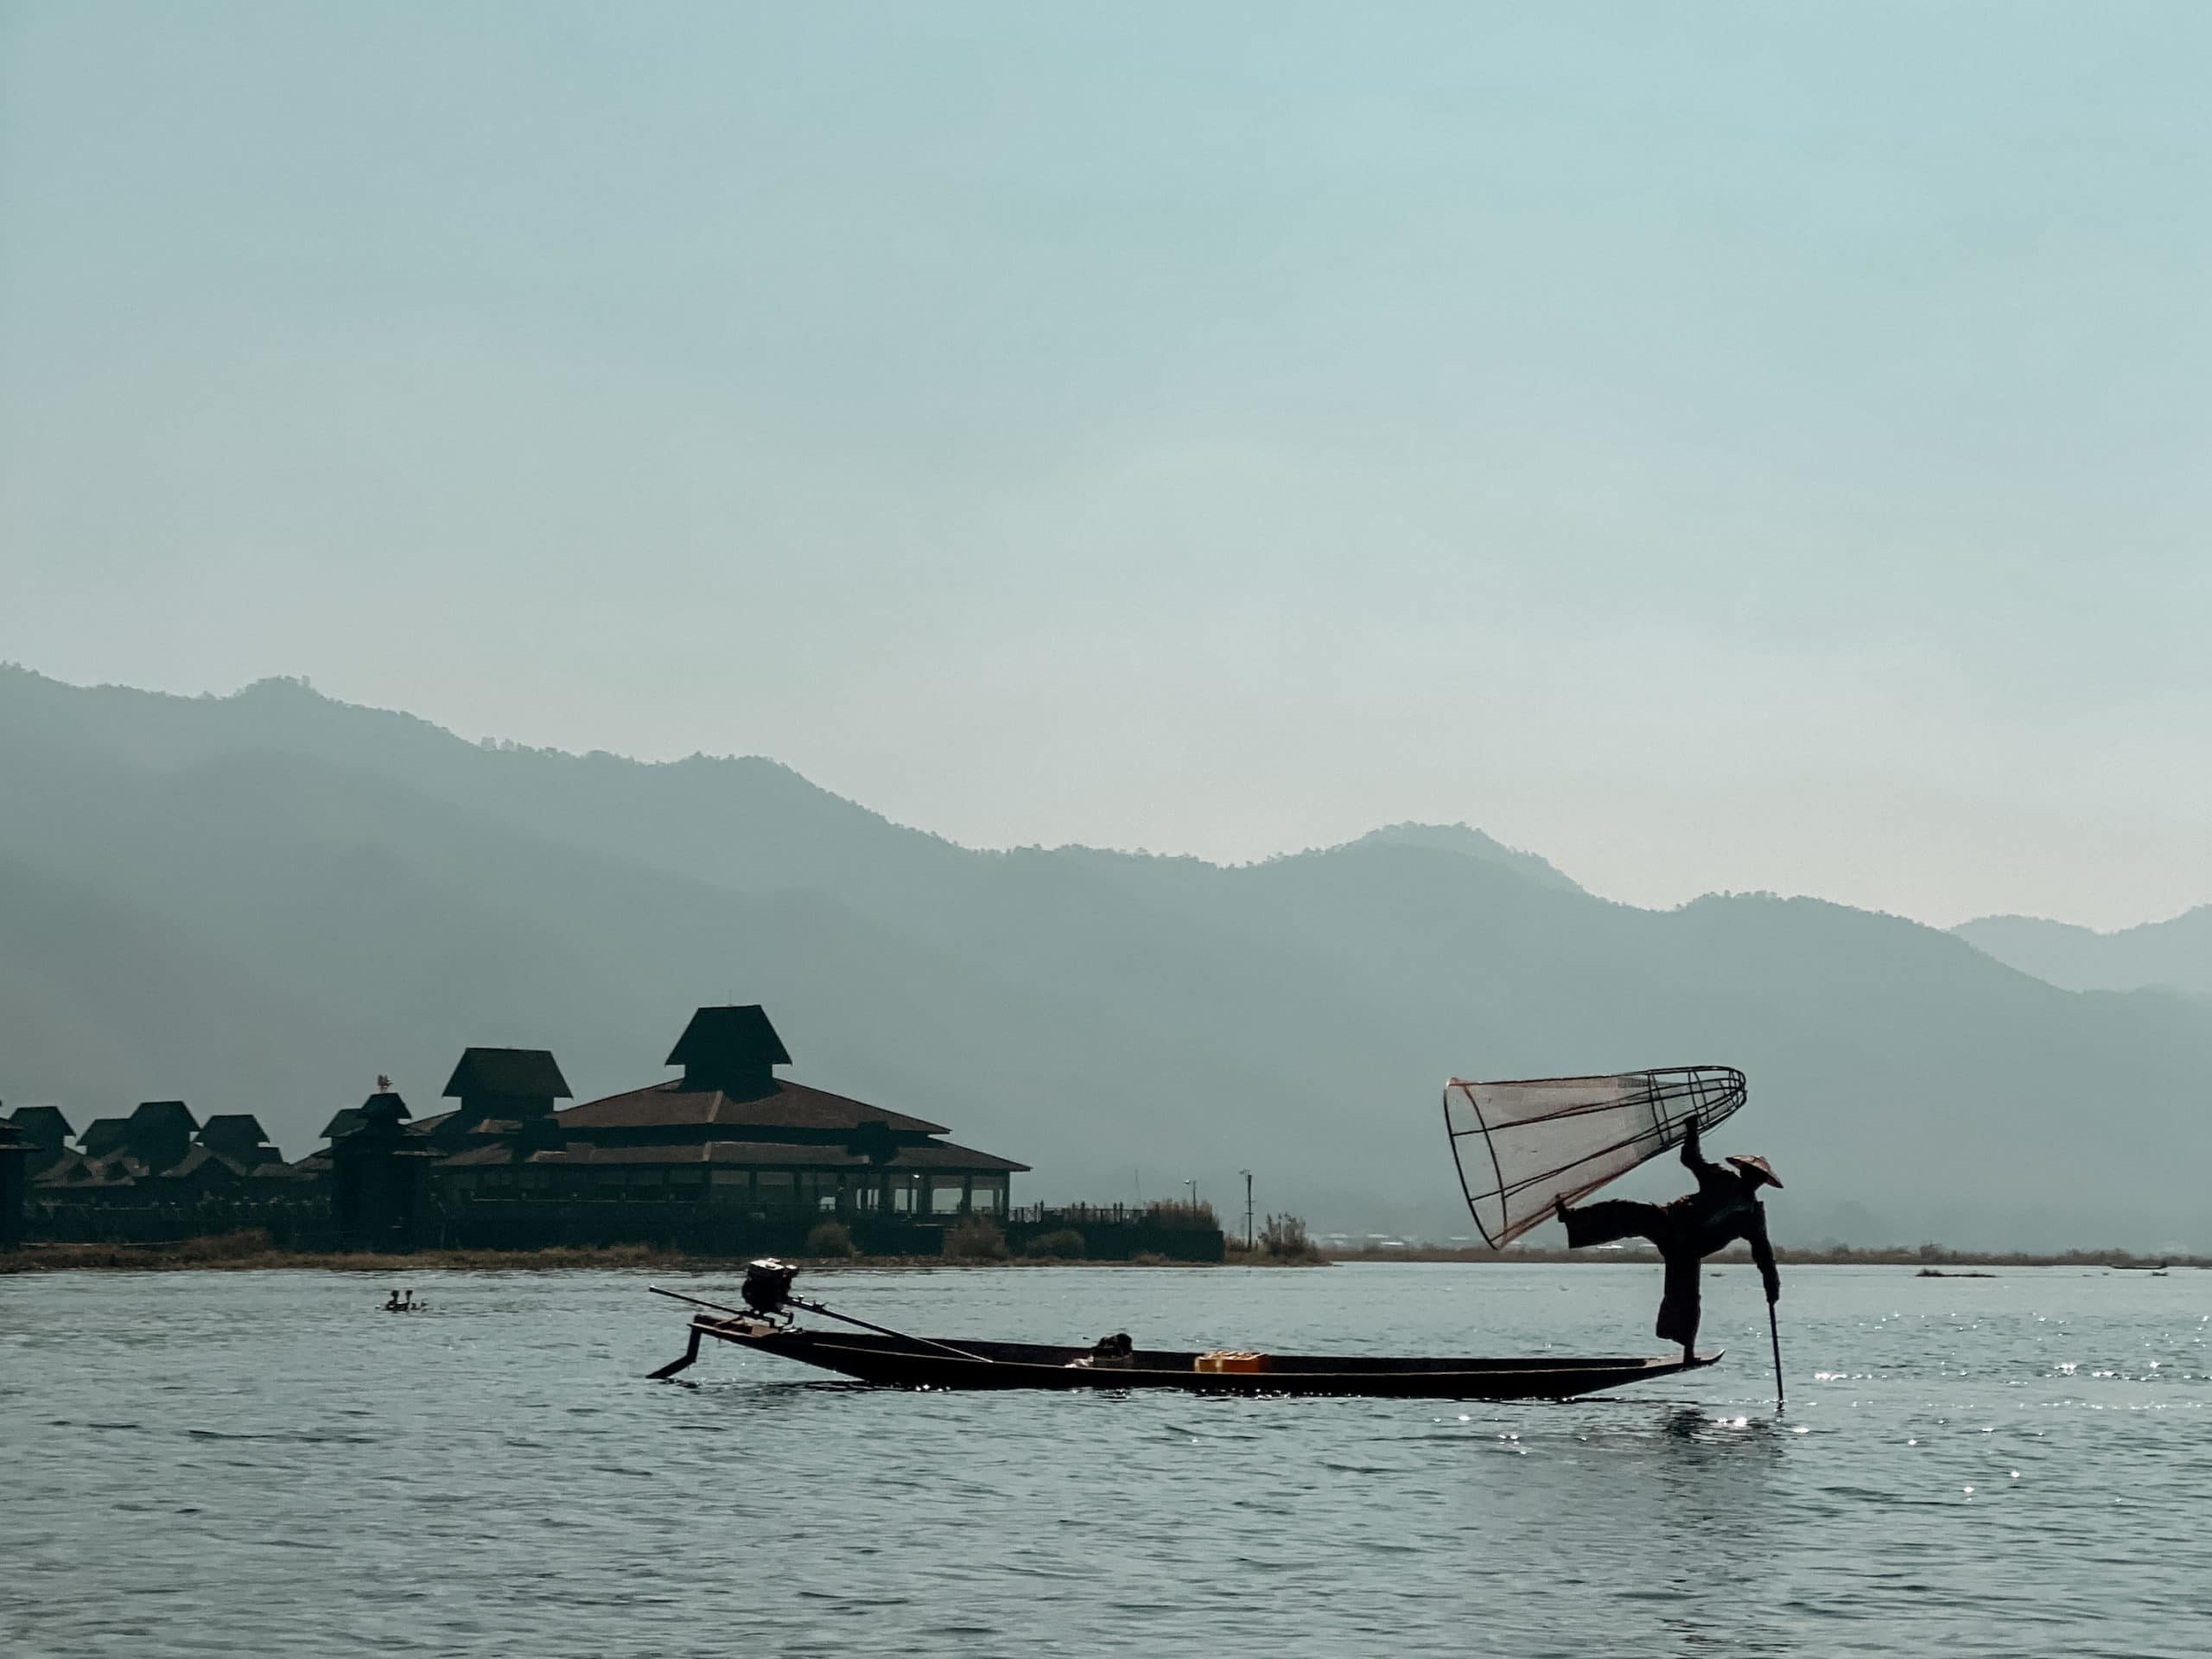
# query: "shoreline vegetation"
[251,1252]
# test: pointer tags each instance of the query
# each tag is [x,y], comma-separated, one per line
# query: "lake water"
[236,1464]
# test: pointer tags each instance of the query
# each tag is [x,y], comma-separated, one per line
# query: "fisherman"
[1725,1208]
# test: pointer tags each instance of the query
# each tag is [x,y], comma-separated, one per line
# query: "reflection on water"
[228,1464]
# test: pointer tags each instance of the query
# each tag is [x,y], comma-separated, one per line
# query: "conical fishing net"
[1523,1146]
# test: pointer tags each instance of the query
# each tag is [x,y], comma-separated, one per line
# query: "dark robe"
[1724,1209]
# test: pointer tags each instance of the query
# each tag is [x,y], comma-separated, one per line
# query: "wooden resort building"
[725,1157]
[728,1139]
[159,1173]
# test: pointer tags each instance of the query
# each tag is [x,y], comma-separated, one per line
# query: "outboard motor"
[768,1288]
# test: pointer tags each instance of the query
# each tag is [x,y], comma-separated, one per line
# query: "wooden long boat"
[961,1363]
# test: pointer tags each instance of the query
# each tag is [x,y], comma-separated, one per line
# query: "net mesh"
[1523,1146]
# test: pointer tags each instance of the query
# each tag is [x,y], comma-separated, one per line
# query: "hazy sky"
[1714,446]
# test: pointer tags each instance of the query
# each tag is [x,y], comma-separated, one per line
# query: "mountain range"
[259,902]
[2173,955]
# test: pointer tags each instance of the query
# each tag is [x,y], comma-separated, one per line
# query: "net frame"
[1656,1107]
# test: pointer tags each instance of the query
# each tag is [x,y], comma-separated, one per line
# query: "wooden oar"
[698,1301]
[831,1313]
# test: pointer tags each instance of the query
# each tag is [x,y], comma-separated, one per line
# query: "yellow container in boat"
[1232,1359]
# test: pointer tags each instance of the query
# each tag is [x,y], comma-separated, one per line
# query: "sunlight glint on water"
[201,1463]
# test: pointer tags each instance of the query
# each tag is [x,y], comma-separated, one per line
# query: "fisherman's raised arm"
[1693,1156]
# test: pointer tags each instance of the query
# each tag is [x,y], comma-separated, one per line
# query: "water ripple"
[1982,1467]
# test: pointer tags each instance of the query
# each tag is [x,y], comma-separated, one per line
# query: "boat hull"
[960,1362]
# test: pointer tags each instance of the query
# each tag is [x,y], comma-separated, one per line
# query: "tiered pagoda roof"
[728,1108]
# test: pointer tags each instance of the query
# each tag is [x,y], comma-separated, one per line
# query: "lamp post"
[1247,1174]
[1193,1186]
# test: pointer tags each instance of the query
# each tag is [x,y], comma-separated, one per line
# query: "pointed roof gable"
[42,1126]
[237,1134]
[69,1166]
[383,1108]
[204,1167]
[75,1169]
[732,1038]
[524,1073]
[383,1132]
[103,1135]
[170,1116]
